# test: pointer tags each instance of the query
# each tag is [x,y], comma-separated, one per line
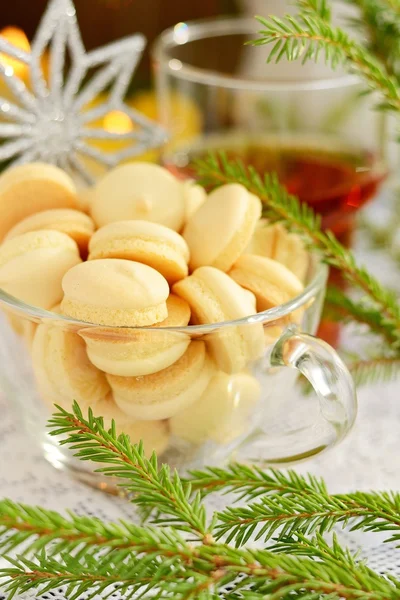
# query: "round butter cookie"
[31,188]
[33,264]
[138,190]
[115,292]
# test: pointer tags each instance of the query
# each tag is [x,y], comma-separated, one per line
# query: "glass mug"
[211,405]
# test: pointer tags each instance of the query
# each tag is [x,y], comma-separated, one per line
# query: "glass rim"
[215,27]
[268,316]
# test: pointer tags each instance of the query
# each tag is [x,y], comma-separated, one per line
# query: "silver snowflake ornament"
[51,122]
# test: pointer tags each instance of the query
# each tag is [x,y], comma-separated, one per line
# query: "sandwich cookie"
[33,264]
[115,292]
[219,231]
[154,434]
[63,371]
[214,297]
[134,352]
[139,191]
[149,243]
[222,413]
[73,223]
[32,188]
[165,393]
[275,241]
[271,282]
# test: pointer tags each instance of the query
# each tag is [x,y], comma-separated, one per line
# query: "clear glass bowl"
[230,392]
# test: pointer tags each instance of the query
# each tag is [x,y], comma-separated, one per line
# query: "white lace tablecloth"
[368,459]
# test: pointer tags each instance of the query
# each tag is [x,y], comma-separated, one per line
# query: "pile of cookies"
[143,249]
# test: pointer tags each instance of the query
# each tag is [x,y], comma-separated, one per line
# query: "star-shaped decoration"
[51,121]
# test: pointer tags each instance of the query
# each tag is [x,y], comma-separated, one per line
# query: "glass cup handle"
[326,372]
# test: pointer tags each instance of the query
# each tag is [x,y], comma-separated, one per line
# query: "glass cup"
[306,123]
[230,390]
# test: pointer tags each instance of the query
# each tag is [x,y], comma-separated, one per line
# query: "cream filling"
[99,315]
[116,361]
[155,244]
[163,256]
[173,399]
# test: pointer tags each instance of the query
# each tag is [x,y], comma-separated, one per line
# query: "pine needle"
[375,370]
[151,486]
[321,8]
[251,482]
[307,36]
[341,308]
[380,20]
[283,516]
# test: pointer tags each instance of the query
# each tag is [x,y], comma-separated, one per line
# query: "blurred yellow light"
[117,121]
[17,37]
[185,118]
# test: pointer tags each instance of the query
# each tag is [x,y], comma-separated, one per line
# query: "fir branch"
[284,516]
[393,4]
[217,170]
[263,573]
[380,368]
[381,20]
[91,575]
[308,36]
[391,7]
[374,370]
[301,491]
[152,487]
[340,307]
[321,8]
[318,548]
[334,557]
[32,529]
[251,482]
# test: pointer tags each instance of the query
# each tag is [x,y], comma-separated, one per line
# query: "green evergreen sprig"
[159,488]
[341,307]
[30,529]
[373,370]
[251,482]
[91,557]
[379,304]
[380,20]
[288,503]
[263,574]
[283,516]
[394,5]
[308,36]
[321,8]
[294,495]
